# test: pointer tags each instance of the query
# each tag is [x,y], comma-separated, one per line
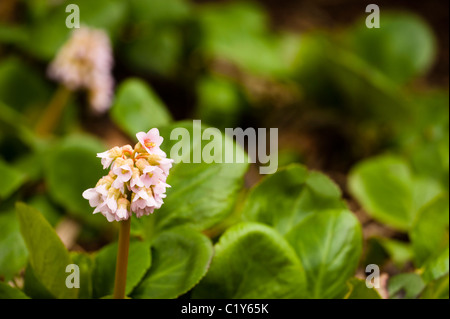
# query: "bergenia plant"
[136,183]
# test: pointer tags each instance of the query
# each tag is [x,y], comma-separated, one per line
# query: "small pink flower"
[151,141]
[109,156]
[166,164]
[123,172]
[94,197]
[151,175]
[136,181]
[123,209]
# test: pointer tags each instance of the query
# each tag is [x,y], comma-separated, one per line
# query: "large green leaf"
[137,108]
[253,261]
[8,292]
[71,168]
[389,192]
[103,276]
[429,232]
[11,179]
[180,258]
[13,252]
[284,199]
[202,194]
[329,246]
[48,256]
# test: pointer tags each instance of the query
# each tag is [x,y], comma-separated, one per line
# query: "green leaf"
[137,108]
[282,200]
[437,289]
[71,168]
[139,261]
[33,287]
[11,179]
[219,102]
[181,257]
[392,50]
[389,192]
[201,194]
[405,286]
[13,252]
[253,261]
[437,267]
[359,290]
[48,256]
[329,246]
[429,232]
[8,292]
[85,263]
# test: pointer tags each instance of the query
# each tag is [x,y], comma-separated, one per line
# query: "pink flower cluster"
[85,62]
[136,181]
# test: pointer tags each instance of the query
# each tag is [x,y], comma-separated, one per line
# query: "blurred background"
[338,91]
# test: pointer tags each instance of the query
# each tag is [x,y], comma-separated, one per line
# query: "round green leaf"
[391,48]
[284,199]
[253,261]
[137,108]
[329,245]
[181,257]
[389,192]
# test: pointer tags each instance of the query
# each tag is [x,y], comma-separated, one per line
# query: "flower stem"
[51,115]
[122,259]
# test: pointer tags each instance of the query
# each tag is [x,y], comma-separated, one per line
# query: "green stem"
[122,259]
[51,115]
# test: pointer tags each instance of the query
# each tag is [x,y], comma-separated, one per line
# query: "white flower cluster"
[85,62]
[136,181]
